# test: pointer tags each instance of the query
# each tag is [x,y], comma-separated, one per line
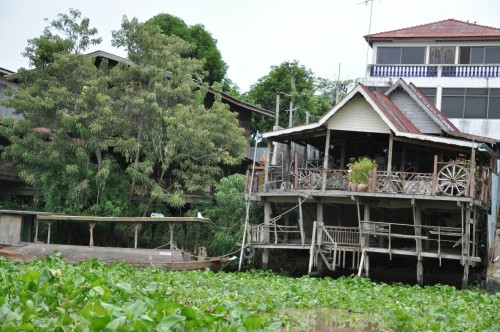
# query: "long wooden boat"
[170,259]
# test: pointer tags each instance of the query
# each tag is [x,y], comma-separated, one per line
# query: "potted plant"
[360,173]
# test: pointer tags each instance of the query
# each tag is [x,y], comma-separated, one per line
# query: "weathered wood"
[91,230]
[301,224]
[266,166]
[168,259]
[472,178]
[49,223]
[296,169]
[389,154]
[434,175]
[62,217]
[312,250]
[10,228]
[325,162]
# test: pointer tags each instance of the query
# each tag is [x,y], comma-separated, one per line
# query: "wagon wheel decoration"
[453,179]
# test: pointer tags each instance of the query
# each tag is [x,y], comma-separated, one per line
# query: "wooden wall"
[10,228]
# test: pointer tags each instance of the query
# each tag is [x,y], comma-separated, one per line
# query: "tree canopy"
[295,83]
[205,46]
[116,140]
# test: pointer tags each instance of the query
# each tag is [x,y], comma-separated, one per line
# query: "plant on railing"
[360,173]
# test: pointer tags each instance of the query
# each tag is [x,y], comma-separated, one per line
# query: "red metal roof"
[391,111]
[442,30]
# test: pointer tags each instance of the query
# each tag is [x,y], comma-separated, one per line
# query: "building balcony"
[452,179]
[448,70]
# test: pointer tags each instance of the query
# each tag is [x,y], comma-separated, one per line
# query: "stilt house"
[429,192]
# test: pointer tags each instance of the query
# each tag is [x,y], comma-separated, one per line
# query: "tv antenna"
[369,30]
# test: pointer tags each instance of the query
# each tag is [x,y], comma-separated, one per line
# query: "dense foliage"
[116,140]
[205,46]
[297,84]
[48,295]
[226,209]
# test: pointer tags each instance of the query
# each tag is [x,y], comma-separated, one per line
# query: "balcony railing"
[434,71]
[452,179]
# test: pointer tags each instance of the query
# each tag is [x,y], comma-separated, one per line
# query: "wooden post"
[373,182]
[434,175]
[319,230]
[136,234]
[417,218]
[389,154]
[287,166]
[325,162]
[465,278]
[48,231]
[266,237]
[171,243]
[301,224]
[91,230]
[472,190]
[366,217]
[296,170]
[36,231]
[266,166]
[312,251]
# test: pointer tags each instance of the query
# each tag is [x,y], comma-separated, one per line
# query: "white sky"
[253,34]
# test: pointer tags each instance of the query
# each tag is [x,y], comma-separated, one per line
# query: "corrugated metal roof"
[446,29]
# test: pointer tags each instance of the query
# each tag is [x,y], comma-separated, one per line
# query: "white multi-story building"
[455,63]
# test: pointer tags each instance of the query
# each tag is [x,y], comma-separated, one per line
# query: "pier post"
[91,230]
[48,231]
[267,228]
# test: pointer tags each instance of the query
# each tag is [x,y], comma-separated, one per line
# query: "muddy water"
[322,320]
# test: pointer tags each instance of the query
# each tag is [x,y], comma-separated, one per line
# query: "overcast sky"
[253,34]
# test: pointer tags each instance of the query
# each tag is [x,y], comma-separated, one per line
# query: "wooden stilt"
[366,217]
[91,230]
[36,231]
[389,154]
[267,224]
[420,271]
[48,231]
[312,250]
[171,243]
[325,162]
[417,219]
[319,238]
[136,234]
[361,262]
[301,224]
[465,278]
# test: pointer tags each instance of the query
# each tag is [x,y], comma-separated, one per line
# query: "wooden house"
[430,196]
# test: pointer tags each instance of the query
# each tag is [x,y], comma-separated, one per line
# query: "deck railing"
[452,179]
[346,236]
[439,237]
[434,70]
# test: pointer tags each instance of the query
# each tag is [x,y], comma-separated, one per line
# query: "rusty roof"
[450,29]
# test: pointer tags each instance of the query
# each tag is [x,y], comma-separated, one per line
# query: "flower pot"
[362,187]
[353,186]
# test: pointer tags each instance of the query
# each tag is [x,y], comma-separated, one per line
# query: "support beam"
[48,231]
[319,230]
[36,231]
[465,278]
[417,219]
[434,175]
[389,154]
[266,166]
[325,162]
[366,217]
[342,153]
[312,250]
[266,237]
[91,230]
[301,224]
[136,234]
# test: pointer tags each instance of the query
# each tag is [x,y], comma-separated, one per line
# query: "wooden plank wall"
[10,229]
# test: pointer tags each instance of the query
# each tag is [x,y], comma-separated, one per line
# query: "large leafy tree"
[294,83]
[205,46]
[116,140]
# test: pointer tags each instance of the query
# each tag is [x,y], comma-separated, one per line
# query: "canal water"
[322,320]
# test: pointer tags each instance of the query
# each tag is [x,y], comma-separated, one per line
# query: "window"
[442,55]
[401,55]
[480,55]
[430,93]
[471,103]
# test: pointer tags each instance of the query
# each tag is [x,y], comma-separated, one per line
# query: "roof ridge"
[397,113]
[431,23]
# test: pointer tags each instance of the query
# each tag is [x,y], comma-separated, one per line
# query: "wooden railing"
[454,181]
[404,183]
[347,236]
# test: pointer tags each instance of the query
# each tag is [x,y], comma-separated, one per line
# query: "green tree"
[68,34]
[226,209]
[121,138]
[294,83]
[205,46]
